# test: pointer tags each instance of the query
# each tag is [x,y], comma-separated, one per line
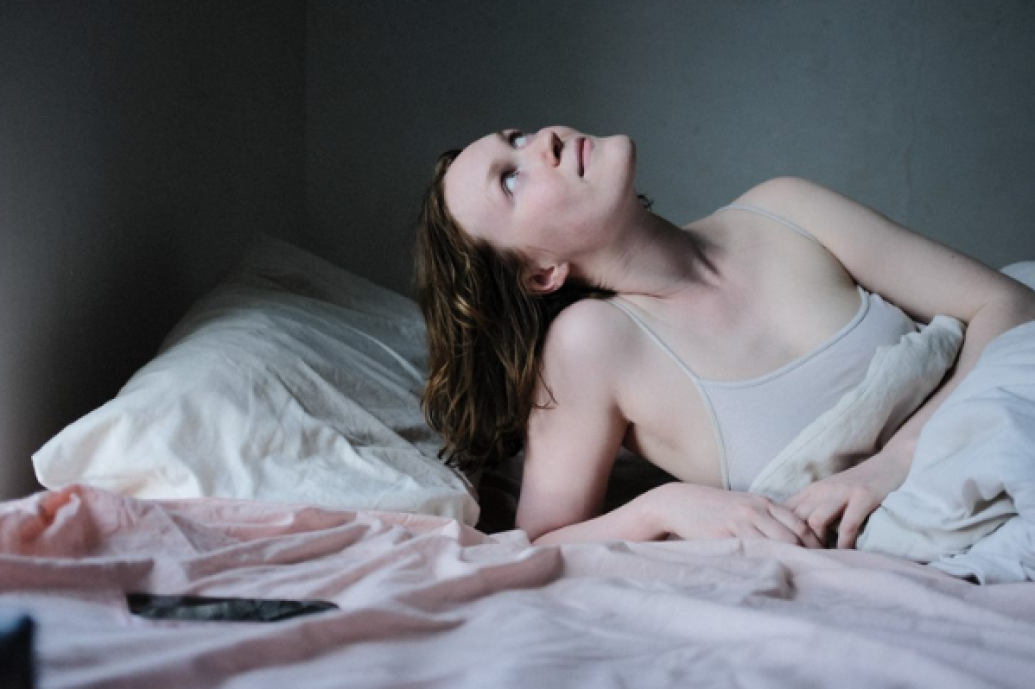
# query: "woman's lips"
[584,147]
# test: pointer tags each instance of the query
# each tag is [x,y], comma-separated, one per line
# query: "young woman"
[566,317]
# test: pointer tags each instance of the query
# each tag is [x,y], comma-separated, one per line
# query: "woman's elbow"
[1018,304]
[533,528]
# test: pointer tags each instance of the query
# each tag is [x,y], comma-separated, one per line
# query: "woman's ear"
[544,280]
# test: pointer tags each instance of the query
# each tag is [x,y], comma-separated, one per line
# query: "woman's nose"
[546,144]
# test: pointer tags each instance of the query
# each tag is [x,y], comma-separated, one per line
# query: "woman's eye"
[509,180]
[518,139]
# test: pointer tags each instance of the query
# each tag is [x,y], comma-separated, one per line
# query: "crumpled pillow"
[294,381]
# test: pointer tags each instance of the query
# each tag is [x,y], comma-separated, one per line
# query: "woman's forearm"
[994,319]
[690,512]
[634,521]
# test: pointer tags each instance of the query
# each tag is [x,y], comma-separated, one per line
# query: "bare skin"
[736,296]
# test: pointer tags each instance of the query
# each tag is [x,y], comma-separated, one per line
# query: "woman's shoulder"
[779,193]
[583,357]
[917,274]
[584,324]
[591,336]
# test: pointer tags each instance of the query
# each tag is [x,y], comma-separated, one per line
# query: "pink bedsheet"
[428,603]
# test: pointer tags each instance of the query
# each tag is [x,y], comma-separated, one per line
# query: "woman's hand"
[850,496]
[694,512]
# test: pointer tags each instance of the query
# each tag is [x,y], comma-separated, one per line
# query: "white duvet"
[968,503]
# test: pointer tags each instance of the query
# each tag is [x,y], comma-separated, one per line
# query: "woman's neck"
[655,258]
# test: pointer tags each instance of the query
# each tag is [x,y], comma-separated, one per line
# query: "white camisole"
[755,419]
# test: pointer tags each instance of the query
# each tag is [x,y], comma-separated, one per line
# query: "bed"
[261,506]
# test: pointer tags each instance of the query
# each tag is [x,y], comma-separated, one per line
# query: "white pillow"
[294,381]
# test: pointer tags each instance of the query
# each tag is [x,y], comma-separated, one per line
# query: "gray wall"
[920,108]
[142,143]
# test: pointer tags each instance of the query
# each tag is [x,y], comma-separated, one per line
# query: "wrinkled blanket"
[898,380]
[427,602]
[968,503]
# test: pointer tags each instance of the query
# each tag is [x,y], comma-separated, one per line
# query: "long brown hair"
[485,334]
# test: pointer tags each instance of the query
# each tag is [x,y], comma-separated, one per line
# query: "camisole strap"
[701,389]
[652,335]
[772,216]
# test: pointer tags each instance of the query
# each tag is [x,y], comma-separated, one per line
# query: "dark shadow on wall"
[143,145]
[391,85]
[102,339]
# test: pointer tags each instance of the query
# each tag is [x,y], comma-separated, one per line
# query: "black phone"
[221,609]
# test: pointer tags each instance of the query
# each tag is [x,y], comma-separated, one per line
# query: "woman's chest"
[767,310]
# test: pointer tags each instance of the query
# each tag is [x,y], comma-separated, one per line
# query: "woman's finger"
[803,512]
[793,502]
[855,514]
[798,526]
[822,516]
[770,531]
[775,531]
[803,509]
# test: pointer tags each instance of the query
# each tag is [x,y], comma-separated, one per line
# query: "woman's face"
[552,195]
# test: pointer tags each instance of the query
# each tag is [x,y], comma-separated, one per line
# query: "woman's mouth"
[583,146]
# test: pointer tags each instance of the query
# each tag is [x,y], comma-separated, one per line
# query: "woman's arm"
[690,512]
[576,428]
[923,278]
[573,439]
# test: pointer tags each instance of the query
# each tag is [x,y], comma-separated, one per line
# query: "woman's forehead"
[466,186]
[480,153]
